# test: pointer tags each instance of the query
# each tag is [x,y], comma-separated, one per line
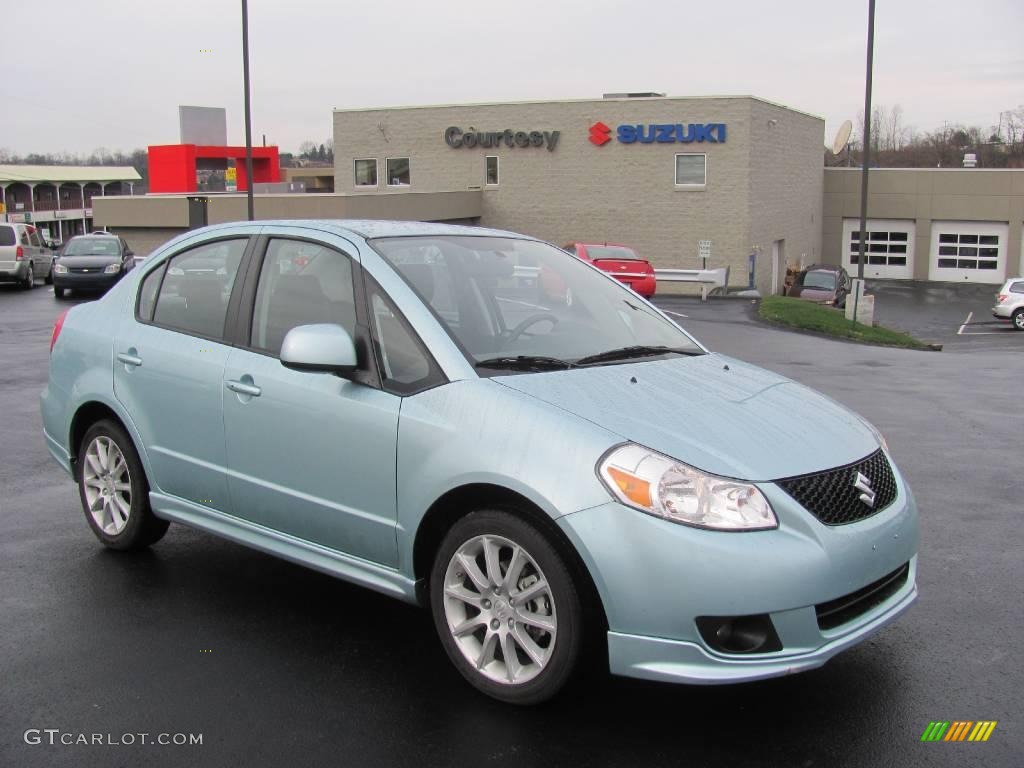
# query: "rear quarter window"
[1017,287]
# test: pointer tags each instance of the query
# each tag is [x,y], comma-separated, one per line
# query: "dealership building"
[740,175]
[659,174]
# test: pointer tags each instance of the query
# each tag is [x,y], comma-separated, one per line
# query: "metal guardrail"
[710,280]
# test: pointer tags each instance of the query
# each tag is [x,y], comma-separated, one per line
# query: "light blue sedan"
[477,421]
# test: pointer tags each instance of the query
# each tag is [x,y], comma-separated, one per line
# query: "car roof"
[374,228]
[823,268]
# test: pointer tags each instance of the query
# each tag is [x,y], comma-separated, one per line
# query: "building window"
[968,251]
[691,170]
[491,171]
[366,173]
[398,172]
[882,248]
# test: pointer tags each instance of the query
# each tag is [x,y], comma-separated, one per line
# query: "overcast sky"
[109,73]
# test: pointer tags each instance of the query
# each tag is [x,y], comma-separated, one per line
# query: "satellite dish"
[842,136]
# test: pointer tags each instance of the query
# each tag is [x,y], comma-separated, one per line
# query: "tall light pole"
[248,108]
[866,154]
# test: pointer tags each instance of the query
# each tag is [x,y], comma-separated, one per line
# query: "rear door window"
[194,295]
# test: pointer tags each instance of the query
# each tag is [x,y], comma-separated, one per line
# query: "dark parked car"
[91,263]
[822,283]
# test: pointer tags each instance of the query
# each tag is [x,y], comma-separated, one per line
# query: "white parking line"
[677,314]
[961,331]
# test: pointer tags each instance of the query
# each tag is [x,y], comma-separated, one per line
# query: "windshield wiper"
[526,363]
[628,353]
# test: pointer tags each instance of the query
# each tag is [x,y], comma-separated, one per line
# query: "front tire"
[49,275]
[1017,319]
[114,491]
[30,278]
[506,608]
[58,293]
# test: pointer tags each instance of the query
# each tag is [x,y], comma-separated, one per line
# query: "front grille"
[837,612]
[832,496]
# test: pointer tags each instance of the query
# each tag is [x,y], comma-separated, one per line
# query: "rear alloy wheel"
[1018,320]
[114,491]
[30,278]
[506,608]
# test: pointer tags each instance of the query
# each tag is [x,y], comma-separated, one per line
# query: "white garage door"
[890,248]
[968,251]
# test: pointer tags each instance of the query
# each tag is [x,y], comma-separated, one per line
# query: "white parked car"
[1010,303]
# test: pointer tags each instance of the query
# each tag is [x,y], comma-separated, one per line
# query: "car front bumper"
[656,577]
[98,281]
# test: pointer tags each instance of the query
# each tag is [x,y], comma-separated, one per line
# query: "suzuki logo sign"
[659,133]
[599,134]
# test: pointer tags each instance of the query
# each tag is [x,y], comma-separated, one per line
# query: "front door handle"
[243,389]
[129,359]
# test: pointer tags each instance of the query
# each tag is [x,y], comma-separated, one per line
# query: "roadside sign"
[3,209]
[704,249]
[231,179]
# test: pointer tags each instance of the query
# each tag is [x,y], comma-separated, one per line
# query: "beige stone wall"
[616,192]
[926,195]
[144,240]
[785,188]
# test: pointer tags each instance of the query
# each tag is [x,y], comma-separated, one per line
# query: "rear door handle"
[243,389]
[129,359]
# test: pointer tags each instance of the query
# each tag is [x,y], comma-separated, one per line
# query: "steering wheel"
[529,322]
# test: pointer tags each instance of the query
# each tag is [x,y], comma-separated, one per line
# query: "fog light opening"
[739,634]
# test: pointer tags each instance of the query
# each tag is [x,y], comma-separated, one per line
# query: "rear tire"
[113,488]
[515,629]
[1017,319]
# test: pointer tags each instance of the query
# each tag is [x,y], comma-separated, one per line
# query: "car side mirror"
[326,348]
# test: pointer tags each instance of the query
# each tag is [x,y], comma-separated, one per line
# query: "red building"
[176,168]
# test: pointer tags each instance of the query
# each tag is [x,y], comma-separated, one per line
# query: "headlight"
[112,269]
[666,488]
[60,269]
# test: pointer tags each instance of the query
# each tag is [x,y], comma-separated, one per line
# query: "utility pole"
[865,162]
[248,108]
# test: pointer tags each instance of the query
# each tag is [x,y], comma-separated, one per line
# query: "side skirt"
[329,561]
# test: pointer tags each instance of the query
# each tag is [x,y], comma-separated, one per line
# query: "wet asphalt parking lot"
[275,664]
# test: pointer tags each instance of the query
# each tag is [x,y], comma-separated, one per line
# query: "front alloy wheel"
[506,608]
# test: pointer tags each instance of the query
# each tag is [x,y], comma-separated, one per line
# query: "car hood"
[720,415]
[88,261]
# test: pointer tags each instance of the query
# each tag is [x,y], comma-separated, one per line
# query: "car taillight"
[1002,297]
[57,326]
[19,253]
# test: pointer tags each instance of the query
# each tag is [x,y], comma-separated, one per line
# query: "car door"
[40,253]
[311,455]
[169,366]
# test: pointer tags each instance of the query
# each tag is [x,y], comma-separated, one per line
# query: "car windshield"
[825,281]
[92,246]
[512,298]
[596,252]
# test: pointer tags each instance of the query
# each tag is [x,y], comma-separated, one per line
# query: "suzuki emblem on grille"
[862,484]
